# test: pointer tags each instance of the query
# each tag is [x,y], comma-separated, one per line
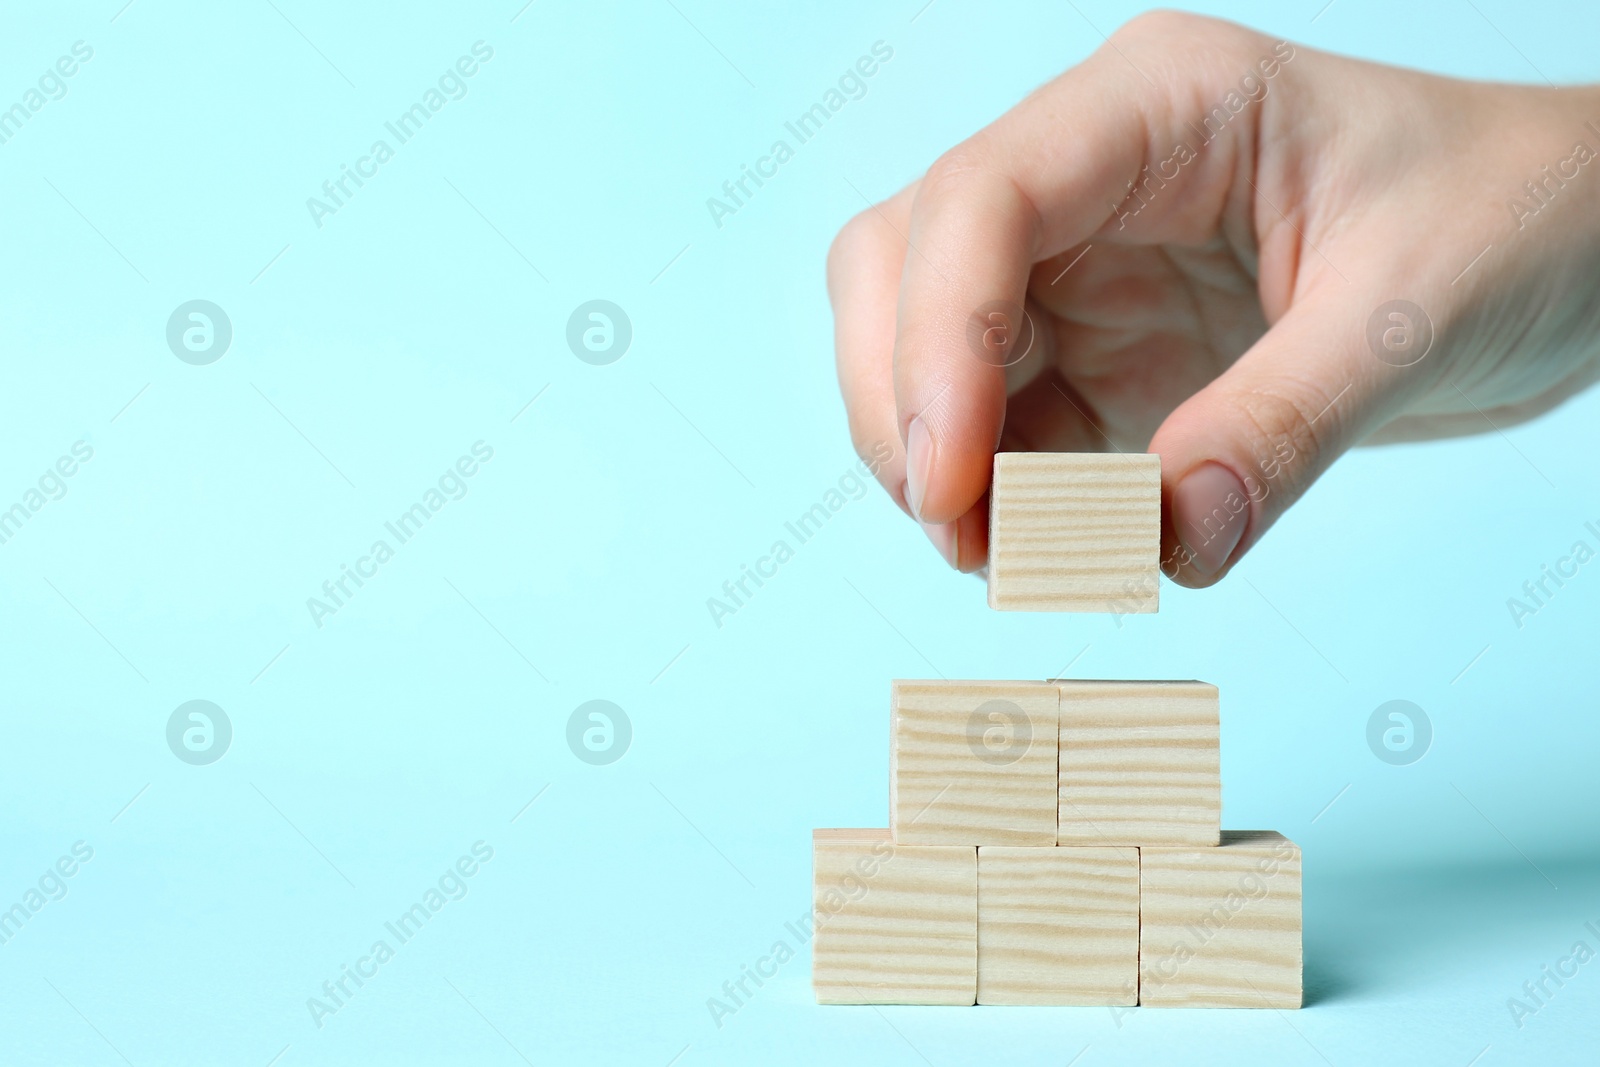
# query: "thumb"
[1237,454]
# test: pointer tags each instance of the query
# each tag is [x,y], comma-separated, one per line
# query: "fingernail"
[919,464]
[946,537]
[1210,511]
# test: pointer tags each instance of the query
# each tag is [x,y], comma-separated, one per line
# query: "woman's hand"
[1241,254]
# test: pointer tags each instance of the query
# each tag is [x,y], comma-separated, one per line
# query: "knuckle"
[973,173]
[1167,25]
[849,244]
[950,171]
[1178,39]
[1294,421]
[1157,22]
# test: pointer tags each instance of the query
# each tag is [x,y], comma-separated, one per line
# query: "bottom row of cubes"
[1162,926]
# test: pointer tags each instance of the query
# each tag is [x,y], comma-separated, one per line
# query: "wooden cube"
[895,924]
[1221,926]
[1139,764]
[973,763]
[1075,531]
[1058,925]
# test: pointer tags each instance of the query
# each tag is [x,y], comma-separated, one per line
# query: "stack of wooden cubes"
[1059,842]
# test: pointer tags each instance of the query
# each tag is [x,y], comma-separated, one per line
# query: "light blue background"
[370,753]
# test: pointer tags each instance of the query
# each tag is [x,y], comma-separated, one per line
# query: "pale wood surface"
[1071,531]
[1139,764]
[895,924]
[1058,925]
[973,763]
[1221,926]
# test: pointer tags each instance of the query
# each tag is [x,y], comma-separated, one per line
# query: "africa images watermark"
[736,992]
[52,85]
[1233,508]
[52,485]
[1543,189]
[1399,732]
[737,191]
[451,885]
[1536,993]
[1552,578]
[829,901]
[452,85]
[1166,962]
[51,886]
[599,732]
[338,591]
[1252,89]
[736,592]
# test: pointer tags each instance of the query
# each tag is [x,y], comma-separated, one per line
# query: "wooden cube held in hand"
[895,924]
[1071,531]
[1221,927]
[973,763]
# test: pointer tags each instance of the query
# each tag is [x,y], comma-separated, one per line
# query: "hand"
[1209,229]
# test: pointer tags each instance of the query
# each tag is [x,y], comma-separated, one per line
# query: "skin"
[1215,308]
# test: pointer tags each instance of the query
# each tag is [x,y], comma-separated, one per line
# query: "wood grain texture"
[1139,764]
[973,763]
[1058,925]
[1221,926]
[1071,531]
[895,924]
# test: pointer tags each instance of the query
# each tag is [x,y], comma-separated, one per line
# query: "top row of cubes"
[1067,762]
[1075,531]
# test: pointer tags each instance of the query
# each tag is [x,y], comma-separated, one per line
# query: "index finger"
[1043,178]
